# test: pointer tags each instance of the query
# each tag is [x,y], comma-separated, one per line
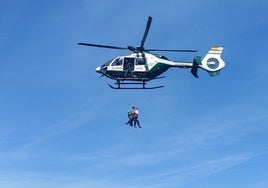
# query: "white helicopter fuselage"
[146,66]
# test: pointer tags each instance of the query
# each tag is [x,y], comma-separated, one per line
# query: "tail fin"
[212,62]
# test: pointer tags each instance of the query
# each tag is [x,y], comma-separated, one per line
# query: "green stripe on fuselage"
[158,69]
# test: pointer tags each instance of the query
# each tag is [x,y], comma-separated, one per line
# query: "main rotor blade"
[103,46]
[159,50]
[146,31]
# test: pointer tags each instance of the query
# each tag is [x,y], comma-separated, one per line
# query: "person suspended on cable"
[130,118]
[135,113]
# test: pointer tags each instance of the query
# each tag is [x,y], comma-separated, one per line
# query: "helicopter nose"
[98,69]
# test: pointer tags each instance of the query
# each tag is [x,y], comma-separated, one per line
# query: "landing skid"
[133,83]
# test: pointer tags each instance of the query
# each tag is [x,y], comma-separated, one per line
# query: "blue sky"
[62,126]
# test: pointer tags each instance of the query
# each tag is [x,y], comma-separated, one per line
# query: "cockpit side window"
[117,62]
[140,61]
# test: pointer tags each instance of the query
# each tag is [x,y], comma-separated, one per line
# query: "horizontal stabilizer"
[196,63]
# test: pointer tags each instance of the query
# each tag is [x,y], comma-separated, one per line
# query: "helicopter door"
[129,64]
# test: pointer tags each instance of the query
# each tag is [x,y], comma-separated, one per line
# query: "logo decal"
[213,63]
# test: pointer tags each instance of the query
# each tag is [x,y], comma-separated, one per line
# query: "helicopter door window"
[117,62]
[129,63]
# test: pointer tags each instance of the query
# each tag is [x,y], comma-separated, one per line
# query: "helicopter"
[135,70]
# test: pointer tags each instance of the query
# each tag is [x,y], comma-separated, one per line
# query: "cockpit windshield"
[118,61]
[107,63]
